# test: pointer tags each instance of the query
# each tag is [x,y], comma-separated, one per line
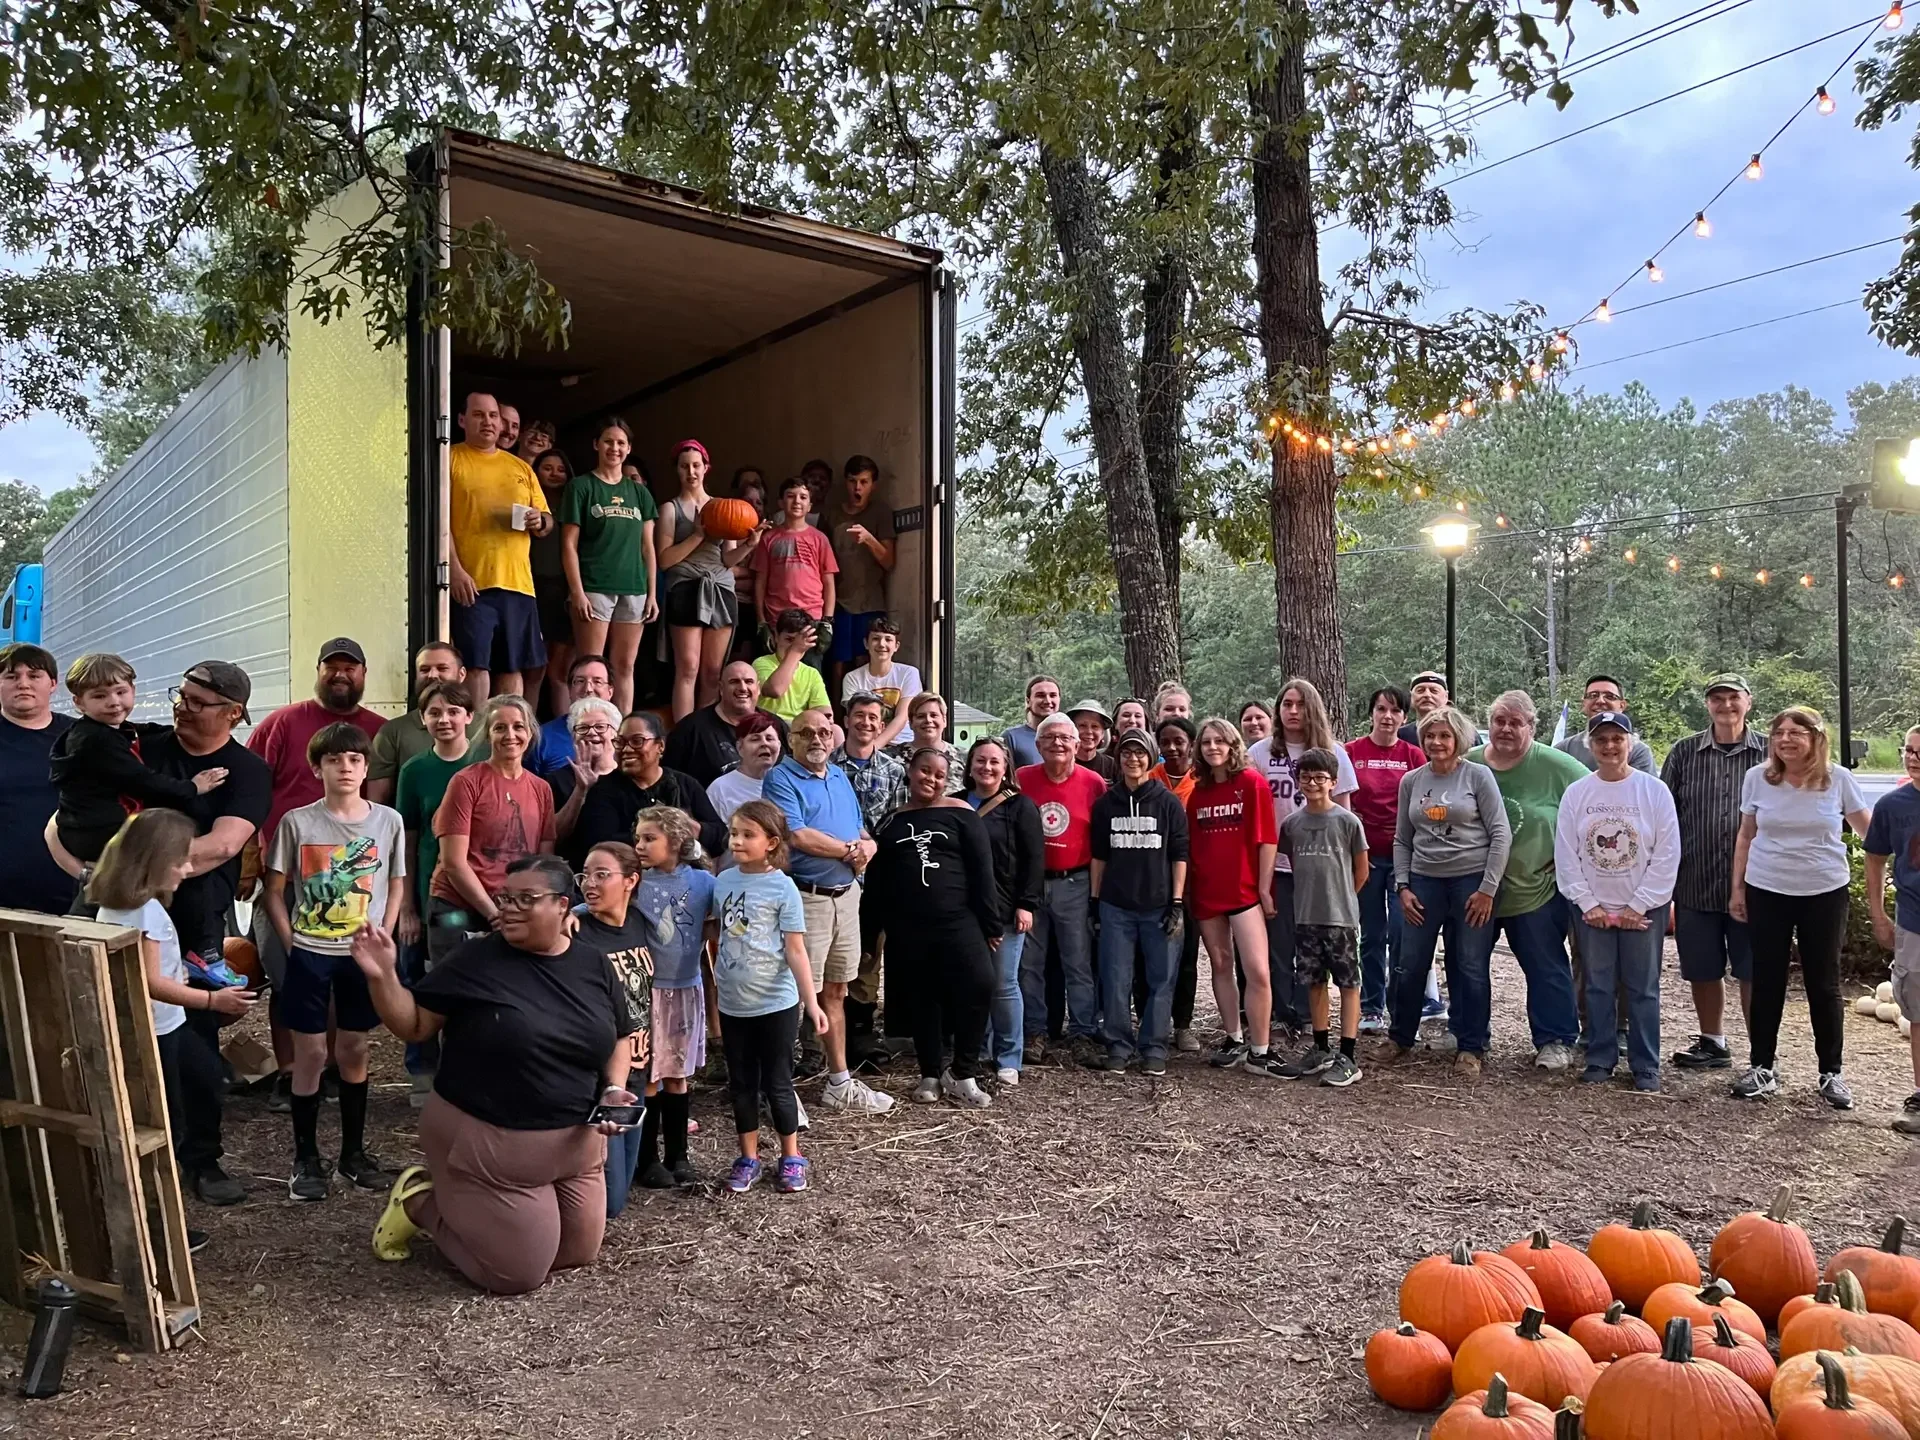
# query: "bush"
[1861,959]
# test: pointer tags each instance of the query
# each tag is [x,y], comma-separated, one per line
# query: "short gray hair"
[1464,735]
[581,711]
[1518,701]
[511,702]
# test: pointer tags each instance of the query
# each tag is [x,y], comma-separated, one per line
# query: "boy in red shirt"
[1064,792]
[1380,759]
[794,569]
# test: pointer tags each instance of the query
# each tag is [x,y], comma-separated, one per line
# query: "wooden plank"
[173,1256]
[20,1201]
[83,1128]
[101,1299]
[97,1041]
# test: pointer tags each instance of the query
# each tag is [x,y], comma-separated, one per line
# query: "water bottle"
[52,1334]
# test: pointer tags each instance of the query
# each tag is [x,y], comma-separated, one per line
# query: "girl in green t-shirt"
[606,549]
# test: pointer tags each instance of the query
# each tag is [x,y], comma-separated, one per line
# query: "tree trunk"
[1148,623]
[1294,343]
[1164,382]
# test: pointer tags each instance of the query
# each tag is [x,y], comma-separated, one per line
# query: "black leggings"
[760,1060]
[1820,921]
[950,979]
[191,1068]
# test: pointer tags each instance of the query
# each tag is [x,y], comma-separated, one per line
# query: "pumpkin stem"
[1531,1319]
[1541,1240]
[1896,1234]
[1715,1291]
[1644,1216]
[1782,1203]
[1723,1335]
[1496,1406]
[1825,1294]
[1615,1311]
[1678,1345]
[1838,1396]
[1462,1253]
[1848,1294]
[1566,1420]
[1406,1330]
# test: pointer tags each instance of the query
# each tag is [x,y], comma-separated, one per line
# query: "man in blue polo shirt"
[831,849]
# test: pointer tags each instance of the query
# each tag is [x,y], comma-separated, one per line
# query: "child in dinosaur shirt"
[336,866]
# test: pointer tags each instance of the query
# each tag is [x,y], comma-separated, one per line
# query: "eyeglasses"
[523,899]
[601,731]
[193,705]
[599,877]
[1907,752]
[825,732]
[634,742]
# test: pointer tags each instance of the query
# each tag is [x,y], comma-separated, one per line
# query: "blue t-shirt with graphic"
[1895,830]
[756,914]
[675,904]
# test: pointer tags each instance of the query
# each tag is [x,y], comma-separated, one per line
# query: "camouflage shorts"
[1321,952]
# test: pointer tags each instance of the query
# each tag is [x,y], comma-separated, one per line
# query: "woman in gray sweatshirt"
[1449,852]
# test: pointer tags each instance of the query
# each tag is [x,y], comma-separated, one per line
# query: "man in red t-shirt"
[1064,792]
[281,740]
[1380,758]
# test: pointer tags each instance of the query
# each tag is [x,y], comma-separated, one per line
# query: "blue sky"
[1567,225]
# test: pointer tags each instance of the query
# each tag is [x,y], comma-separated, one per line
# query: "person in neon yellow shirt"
[494,619]
[788,684]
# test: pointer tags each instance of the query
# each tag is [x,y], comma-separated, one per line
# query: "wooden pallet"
[88,1186]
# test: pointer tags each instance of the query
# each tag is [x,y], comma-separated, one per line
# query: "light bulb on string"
[1754,168]
[1654,273]
[1603,312]
[1806,582]
[1407,440]
[1467,406]
[1673,563]
[1506,391]
[1349,445]
[1896,580]
[1822,101]
[1702,226]
[1323,444]
[1536,371]
[1500,522]
[1760,577]
[1561,343]
[1631,555]
[1715,571]
[1461,506]
[1419,492]
[1892,22]
[1583,545]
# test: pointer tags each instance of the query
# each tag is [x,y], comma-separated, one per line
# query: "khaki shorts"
[833,936]
[1906,973]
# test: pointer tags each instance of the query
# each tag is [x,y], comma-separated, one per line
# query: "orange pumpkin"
[1672,1396]
[1494,1414]
[1408,1368]
[1570,1284]
[1738,1351]
[1613,1333]
[1889,1279]
[1889,1381]
[1835,1327]
[1638,1258]
[726,518]
[1767,1257]
[1537,1360]
[244,959]
[1453,1295]
[1823,1294]
[1834,1413]
[1701,1306]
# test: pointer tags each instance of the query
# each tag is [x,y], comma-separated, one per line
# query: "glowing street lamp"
[1451,537]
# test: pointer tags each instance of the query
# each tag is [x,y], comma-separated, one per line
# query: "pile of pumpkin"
[1882,1007]
[1624,1341]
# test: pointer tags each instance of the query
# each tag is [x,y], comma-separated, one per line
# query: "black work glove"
[1174,921]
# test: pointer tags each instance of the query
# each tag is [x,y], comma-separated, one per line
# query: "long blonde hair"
[1319,727]
[1236,748]
[137,865]
[1819,763]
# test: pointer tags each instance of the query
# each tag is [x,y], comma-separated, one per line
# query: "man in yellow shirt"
[495,620]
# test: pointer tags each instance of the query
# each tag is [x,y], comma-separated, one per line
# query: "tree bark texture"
[1148,624]
[1294,341]
[1164,380]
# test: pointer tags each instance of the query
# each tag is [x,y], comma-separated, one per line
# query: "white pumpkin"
[1865,1005]
[1883,992]
[1906,1028]
[1887,1014]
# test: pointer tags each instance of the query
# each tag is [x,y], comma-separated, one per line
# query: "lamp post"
[1451,538]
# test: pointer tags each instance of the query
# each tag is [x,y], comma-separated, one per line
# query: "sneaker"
[1553,1057]
[395,1228]
[1907,1122]
[1467,1065]
[1756,1084]
[280,1097]
[965,1092]
[1835,1090]
[927,1092]
[684,1174]
[219,974]
[812,1063]
[1269,1066]
[741,1177]
[1186,1042]
[197,1240]
[1703,1054]
[1647,1084]
[1373,1023]
[1342,1073]
[365,1172]
[1316,1061]
[855,1097]
[1007,1075]
[791,1178]
[799,1123]
[1088,1052]
[1445,1043]
[1593,1075]
[1434,1009]
[213,1186]
[419,1090]
[309,1181]
[655,1177]
[1034,1050]
[1400,1054]
[1231,1051]
[1153,1065]
[1114,1062]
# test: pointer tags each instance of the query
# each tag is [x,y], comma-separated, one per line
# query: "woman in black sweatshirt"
[1019,869]
[931,886]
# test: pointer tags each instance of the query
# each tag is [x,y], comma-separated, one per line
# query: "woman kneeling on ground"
[532,1033]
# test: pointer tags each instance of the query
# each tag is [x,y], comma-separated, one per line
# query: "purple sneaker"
[740,1179]
[219,974]
[792,1178]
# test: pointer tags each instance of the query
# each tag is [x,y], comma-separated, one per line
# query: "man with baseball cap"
[1428,691]
[1705,772]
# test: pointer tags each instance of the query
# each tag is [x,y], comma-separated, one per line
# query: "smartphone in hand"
[616,1115]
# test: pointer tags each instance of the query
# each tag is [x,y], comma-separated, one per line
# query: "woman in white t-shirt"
[1790,875]
[132,884]
[757,737]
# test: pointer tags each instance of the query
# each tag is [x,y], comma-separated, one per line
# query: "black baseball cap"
[1609,720]
[226,680]
[1139,739]
[341,645]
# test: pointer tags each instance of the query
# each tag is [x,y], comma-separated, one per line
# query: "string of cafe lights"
[1557,342]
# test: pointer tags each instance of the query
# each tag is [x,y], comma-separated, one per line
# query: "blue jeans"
[1627,961]
[423,1057]
[1005,1034]
[623,1154]
[1443,900]
[1063,916]
[1379,934]
[1121,933]
[1539,941]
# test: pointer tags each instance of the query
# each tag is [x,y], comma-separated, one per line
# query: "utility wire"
[1715,335]
[1758,275]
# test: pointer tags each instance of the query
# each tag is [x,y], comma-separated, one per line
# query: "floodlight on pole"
[1451,538]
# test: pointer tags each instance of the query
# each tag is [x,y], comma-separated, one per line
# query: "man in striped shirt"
[1705,772]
